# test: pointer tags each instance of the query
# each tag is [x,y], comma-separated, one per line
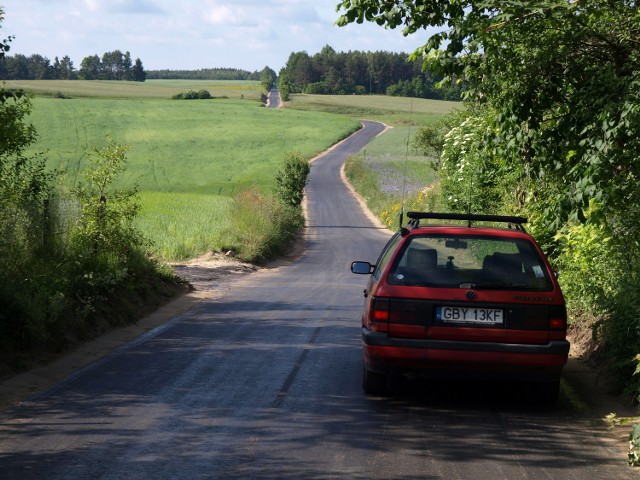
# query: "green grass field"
[249,90]
[391,110]
[193,146]
[190,157]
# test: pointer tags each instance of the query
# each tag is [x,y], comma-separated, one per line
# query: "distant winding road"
[264,382]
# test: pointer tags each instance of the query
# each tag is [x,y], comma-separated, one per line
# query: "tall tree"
[298,71]
[90,68]
[39,67]
[127,64]
[112,65]
[17,67]
[138,73]
[267,78]
[66,70]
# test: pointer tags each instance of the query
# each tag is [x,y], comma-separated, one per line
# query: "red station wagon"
[463,300]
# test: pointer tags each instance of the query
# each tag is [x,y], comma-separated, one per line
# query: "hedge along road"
[264,381]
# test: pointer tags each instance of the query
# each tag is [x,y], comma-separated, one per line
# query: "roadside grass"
[245,89]
[390,177]
[184,225]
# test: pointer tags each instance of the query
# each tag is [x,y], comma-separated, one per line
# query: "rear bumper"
[446,358]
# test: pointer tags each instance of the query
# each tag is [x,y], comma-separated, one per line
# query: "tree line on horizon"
[266,76]
[326,72]
[359,72]
[113,65]
[204,74]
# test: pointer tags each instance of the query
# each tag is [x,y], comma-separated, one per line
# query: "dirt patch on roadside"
[206,273]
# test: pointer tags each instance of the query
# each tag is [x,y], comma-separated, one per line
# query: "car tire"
[374,383]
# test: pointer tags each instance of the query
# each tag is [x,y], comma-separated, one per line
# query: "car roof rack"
[513,221]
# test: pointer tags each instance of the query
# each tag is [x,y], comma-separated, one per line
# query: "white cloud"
[227,16]
[187,34]
[123,6]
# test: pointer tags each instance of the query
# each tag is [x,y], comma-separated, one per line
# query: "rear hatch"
[485,286]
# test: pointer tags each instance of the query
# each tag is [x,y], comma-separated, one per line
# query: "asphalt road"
[273,100]
[265,382]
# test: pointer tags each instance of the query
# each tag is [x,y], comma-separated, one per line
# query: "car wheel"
[547,392]
[374,383]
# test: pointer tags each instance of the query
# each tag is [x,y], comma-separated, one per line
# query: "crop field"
[249,90]
[193,146]
[390,110]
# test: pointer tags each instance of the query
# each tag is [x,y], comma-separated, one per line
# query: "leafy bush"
[317,88]
[291,179]
[193,95]
[106,225]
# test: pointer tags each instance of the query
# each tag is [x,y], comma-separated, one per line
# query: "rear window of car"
[481,262]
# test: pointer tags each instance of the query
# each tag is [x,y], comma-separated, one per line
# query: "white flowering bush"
[474,177]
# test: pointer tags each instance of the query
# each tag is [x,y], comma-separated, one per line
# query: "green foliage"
[193,95]
[106,225]
[599,269]
[267,78]
[262,227]
[291,179]
[113,66]
[206,74]
[24,184]
[474,179]
[563,78]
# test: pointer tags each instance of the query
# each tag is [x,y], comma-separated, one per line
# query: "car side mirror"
[362,268]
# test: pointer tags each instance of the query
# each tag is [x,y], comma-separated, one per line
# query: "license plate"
[484,316]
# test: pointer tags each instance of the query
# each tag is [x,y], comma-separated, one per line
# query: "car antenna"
[406,160]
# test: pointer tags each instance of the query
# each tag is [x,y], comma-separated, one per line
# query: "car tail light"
[378,320]
[558,322]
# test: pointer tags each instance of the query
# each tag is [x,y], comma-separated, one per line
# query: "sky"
[190,34]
